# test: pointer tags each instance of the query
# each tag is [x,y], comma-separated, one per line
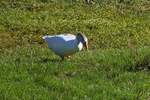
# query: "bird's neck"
[80,46]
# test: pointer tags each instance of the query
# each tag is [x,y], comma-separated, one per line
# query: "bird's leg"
[62,58]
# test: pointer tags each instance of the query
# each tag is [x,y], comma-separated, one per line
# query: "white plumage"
[66,44]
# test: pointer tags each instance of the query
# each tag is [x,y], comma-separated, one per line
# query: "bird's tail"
[44,37]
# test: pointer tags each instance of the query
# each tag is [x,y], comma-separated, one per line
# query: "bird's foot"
[69,57]
[63,58]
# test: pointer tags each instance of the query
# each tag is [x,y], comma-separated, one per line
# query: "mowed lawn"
[117,66]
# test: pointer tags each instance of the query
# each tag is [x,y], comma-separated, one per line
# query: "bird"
[66,44]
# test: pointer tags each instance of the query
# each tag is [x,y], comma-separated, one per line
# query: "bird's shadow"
[46,60]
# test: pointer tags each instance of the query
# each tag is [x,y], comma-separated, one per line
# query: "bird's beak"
[86,46]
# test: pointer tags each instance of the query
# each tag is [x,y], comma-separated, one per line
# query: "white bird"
[65,45]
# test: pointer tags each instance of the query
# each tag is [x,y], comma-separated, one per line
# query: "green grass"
[100,74]
[116,67]
[106,26]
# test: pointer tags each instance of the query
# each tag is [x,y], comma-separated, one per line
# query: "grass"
[106,27]
[37,73]
[116,67]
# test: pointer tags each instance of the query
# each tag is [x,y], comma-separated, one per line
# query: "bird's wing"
[67,37]
[61,44]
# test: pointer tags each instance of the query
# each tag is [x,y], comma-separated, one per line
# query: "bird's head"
[83,39]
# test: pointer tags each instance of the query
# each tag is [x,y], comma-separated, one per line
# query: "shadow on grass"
[46,60]
[140,65]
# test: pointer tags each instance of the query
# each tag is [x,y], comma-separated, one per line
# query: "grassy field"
[117,66]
